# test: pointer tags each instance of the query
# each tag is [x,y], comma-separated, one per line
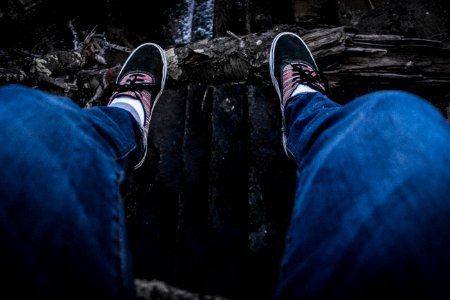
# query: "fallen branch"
[340,53]
[155,289]
[76,40]
[58,83]
[346,59]
[115,46]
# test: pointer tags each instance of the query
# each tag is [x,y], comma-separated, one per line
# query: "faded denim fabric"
[371,217]
[62,221]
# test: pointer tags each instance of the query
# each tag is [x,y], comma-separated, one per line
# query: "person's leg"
[372,211]
[62,221]
[62,226]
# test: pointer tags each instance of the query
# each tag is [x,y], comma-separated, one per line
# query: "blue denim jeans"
[371,212]
[62,221]
[371,217]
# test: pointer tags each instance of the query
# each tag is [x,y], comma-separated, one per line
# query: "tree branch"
[340,53]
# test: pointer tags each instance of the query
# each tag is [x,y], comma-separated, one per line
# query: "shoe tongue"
[303,66]
[136,77]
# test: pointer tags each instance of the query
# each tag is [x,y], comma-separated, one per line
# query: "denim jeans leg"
[62,221]
[371,217]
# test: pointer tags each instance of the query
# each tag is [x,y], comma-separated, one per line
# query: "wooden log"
[228,248]
[271,189]
[155,289]
[193,209]
[337,51]
[343,57]
[152,221]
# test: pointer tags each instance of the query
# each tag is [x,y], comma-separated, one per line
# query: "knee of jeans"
[14,92]
[16,89]
[400,104]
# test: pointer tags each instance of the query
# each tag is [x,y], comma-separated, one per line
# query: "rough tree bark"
[341,54]
[352,63]
[345,58]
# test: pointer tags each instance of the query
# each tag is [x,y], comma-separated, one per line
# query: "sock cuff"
[303,89]
[134,106]
[129,108]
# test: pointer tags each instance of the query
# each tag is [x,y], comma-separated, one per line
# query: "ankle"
[132,105]
[298,78]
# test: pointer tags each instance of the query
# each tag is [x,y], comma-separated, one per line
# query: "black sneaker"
[291,64]
[142,77]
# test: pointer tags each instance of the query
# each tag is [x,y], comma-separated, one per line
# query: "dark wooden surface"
[208,210]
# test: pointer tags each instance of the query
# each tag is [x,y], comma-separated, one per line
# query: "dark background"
[42,24]
[208,210]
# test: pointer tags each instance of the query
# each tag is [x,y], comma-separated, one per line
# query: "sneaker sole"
[272,54]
